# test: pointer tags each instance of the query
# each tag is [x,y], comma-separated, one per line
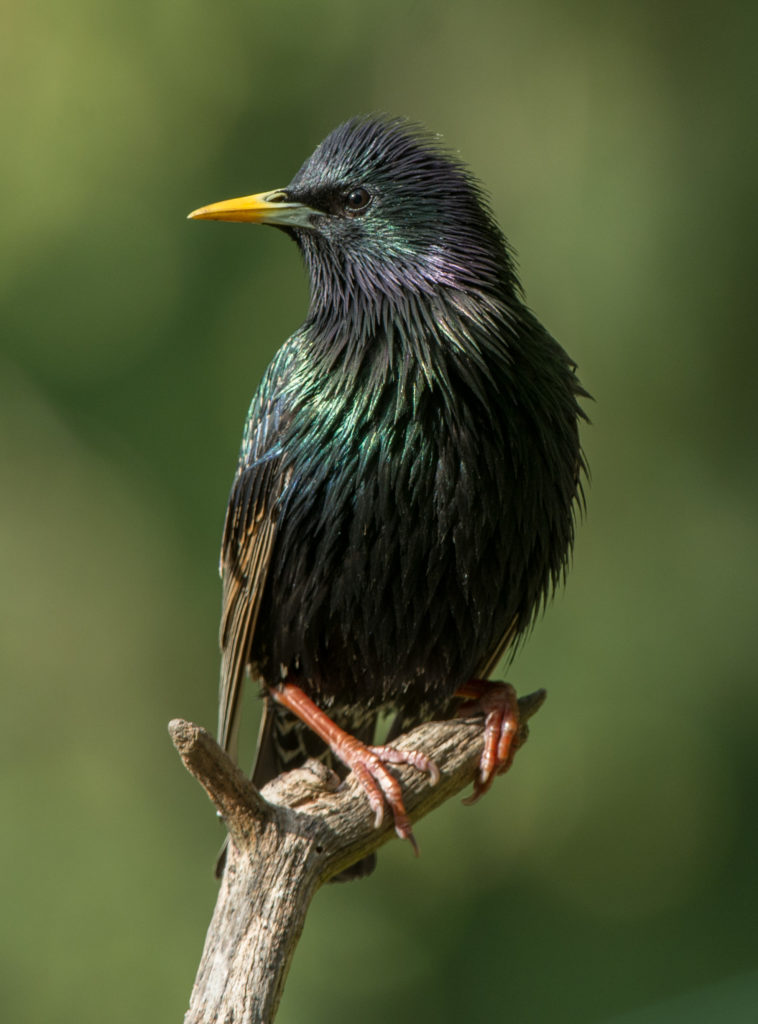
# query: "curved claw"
[500,704]
[368,766]
[367,763]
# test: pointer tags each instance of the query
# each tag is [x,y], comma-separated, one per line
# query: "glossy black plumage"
[411,467]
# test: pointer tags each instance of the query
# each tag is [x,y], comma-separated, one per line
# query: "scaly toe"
[418,760]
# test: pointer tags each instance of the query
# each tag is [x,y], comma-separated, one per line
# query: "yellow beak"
[263,208]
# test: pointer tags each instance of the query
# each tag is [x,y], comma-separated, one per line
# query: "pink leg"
[499,703]
[368,763]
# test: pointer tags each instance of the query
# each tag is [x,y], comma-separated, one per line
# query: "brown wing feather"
[249,533]
[245,565]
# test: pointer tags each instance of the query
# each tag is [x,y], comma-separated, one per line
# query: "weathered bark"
[286,841]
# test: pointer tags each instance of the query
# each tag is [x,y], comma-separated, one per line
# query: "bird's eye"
[357,200]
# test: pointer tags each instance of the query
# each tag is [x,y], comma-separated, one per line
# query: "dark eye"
[357,200]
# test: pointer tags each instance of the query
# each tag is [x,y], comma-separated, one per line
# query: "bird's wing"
[248,541]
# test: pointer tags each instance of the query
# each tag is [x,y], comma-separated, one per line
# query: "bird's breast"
[386,573]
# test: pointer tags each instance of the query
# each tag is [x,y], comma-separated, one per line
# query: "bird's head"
[381,210]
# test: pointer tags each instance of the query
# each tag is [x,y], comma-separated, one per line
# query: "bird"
[410,474]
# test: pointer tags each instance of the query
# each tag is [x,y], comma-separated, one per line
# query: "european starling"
[410,470]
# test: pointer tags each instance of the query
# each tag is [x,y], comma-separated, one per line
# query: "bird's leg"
[368,763]
[499,703]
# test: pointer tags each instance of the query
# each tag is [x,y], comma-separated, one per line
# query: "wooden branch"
[286,841]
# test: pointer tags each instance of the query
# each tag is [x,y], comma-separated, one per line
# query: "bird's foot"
[502,737]
[367,763]
[380,785]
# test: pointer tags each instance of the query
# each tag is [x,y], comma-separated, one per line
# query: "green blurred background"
[611,876]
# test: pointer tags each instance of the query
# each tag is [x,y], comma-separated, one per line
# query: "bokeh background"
[611,878]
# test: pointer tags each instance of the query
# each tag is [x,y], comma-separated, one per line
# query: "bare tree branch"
[290,838]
